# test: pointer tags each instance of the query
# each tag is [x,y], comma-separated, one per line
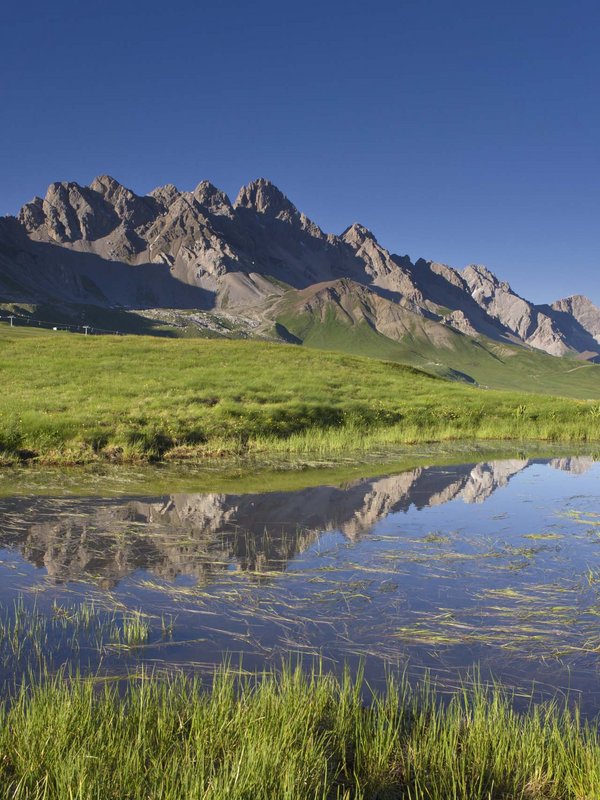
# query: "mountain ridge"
[105,245]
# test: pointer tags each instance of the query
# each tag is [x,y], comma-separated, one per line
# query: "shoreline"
[258,472]
[318,444]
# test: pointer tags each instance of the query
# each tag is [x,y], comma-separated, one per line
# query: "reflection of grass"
[76,399]
[437,538]
[513,613]
[541,621]
[288,736]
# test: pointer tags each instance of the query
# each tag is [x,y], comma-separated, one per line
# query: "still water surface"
[493,564]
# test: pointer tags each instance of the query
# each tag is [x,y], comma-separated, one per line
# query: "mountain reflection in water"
[202,535]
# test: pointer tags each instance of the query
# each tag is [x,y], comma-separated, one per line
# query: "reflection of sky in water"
[440,568]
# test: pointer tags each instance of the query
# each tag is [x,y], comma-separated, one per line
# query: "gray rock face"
[213,200]
[583,311]
[69,212]
[264,198]
[383,269]
[525,320]
[460,322]
[106,245]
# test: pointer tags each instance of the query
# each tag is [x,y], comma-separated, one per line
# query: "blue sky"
[464,132]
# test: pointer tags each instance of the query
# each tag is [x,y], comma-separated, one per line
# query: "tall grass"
[290,735]
[72,399]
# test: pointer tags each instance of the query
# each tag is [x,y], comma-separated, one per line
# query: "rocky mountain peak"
[131,209]
[108,186]
[209,253]
[31,216]
[357,235]
[265,198]
[573,301]
[165,195]
[481,272]
[71,212]
[482,281]
[213,199]
[529,323]
[583,311]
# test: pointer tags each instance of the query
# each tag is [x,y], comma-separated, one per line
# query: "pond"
[490,568]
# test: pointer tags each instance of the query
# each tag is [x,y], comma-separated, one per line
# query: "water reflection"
[202,535]
[440,568]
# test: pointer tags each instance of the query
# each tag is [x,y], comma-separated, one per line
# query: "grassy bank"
[255,474]
[70,398]
[287,736]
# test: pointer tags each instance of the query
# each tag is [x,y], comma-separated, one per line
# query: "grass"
[287,735]
[71,399]
[480,360]
[135,629]
[490,364]
[278,471]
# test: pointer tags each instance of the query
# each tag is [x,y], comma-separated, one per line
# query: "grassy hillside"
[451,355]
[488,363]
[72,398]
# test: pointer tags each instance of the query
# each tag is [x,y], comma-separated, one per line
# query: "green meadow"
[68,399]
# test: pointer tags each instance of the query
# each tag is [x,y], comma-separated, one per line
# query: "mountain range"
[260,267]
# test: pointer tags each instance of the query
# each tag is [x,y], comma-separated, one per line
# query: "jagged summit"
[479,275]
[579,312]
[481,270]
[357,233]
[575,300]
[264,197]
[106,184]
[213,199]
[165,194]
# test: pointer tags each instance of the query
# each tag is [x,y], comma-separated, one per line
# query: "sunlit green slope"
[68,397]
[483,361]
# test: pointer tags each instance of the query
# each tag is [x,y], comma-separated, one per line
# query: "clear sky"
[458,130]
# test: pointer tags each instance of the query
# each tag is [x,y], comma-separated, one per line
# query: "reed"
[288,735]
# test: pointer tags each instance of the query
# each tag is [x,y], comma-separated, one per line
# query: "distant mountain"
[261,259]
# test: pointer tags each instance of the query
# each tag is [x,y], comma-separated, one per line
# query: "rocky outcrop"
[526,321]
[460,322]
[384,270]
[70,213]
[581,320]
